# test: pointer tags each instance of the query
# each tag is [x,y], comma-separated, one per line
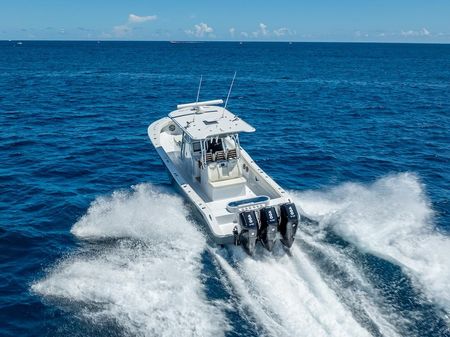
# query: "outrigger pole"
[229,91]
[199,87]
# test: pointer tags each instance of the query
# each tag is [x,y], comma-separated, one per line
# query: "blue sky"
[281,20]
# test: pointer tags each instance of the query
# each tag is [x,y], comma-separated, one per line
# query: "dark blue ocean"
[94,241]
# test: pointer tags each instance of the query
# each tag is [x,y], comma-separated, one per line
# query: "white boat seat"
[223,171]
[228,182]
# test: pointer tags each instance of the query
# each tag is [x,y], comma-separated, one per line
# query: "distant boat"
[19,43]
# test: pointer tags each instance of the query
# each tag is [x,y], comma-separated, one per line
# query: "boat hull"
[221,216]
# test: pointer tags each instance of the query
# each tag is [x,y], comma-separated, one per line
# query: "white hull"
[214,200]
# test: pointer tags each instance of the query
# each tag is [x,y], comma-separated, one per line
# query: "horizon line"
[224,41]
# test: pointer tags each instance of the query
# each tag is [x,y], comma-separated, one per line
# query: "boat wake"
[286,294]
[391,219]
[142,266]
[146,277]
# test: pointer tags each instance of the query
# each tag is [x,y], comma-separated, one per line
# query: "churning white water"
[287,294]
[392,219]
[151,286]
[143,265]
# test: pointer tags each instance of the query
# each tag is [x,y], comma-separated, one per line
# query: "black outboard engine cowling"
[249,231]
[269,226]
[288,224]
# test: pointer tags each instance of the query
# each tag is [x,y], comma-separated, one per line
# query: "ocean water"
[95,242]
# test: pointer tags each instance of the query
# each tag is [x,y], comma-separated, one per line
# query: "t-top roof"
[206,121]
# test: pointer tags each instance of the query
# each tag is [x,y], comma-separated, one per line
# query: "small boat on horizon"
[199,145]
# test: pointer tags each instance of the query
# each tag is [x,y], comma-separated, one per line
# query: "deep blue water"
[94,241]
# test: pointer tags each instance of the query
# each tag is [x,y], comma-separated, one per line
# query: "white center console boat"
[199,145]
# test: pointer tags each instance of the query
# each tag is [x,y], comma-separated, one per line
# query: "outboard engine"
[288,224]
[268,229]
[249,231]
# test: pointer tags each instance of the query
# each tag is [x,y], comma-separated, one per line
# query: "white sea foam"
[392,219]
[355,290]
[288,296]
[146,212]
[151,286]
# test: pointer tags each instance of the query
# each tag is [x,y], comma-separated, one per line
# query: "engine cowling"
[288,223]
[269,226]
[249,231]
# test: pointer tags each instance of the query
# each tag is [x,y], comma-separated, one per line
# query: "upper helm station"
[209,146]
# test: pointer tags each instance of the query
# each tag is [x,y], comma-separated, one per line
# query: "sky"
[232,20]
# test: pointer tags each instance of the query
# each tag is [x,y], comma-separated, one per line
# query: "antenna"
[199,87]
[229,91]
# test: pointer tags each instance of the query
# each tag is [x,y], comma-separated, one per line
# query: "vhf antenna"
[229,91]
[199,87]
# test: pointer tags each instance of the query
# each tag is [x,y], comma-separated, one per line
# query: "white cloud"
[392,35]
[133,18]
[263,29]
[264,32]
[421,32]
[282,31]
[201,30]
[359,34]
[121,30]
[232,31]
[425,32]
